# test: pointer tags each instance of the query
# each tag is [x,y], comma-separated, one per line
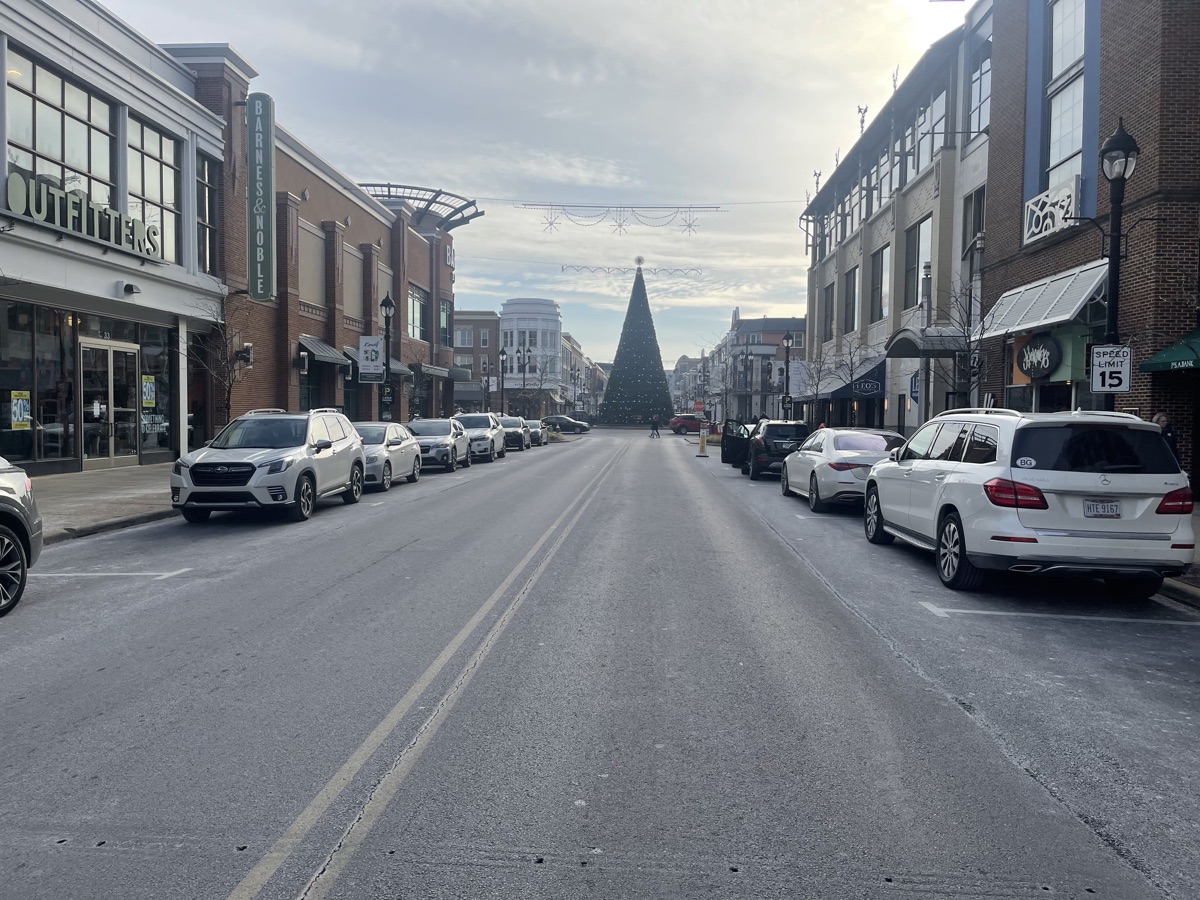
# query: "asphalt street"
[605,668]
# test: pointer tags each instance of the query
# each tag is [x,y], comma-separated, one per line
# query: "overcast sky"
[729,103]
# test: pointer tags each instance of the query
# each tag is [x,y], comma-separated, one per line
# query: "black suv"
[761,446]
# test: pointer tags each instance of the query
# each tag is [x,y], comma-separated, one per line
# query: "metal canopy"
[1050,301]
[433,207]
[322,352]
[925,343]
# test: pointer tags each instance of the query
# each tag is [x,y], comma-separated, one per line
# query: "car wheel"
[491,456]
[14,569]
[453,464]
[503,452]
[385,480]
[305,500]
[1134,587]
[579,429]
[755,474]
[415,473]
[815,503]
[466,462]
[954,569]
[873,519]
[195,516]
[353,492]
[783,482]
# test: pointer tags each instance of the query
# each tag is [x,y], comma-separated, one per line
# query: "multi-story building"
[476,345]
[751,369]
[531,338]
[893,287]
[1065,73]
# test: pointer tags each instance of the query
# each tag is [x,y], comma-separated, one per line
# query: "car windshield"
[1091,447]
[510,422]
[429,427]
[475,421]
[372,434]
[275,434]
[880,442]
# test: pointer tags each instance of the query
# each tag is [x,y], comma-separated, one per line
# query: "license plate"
[1102,509]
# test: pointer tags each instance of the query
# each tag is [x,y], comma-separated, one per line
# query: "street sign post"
[1112,369]
[698,406]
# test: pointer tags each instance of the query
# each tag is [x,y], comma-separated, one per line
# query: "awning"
[467,390]
[924,343]
[398,368]
[322,352]
[1178,357]
[1051,301]
[435,371]
[867,385]
[457,373]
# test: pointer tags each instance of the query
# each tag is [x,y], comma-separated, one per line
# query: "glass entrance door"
[111,395]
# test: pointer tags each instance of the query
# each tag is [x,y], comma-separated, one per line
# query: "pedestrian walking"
[654,427]
[1163,421]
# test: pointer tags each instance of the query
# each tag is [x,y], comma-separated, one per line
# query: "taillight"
[1014,494]
[28,485]
[1176,503]
[759,443]
[845,467]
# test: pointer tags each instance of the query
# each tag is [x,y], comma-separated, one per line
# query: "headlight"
[374,457]
[278,465]
[180,465]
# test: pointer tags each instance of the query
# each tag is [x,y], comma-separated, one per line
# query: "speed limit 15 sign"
[1112,369]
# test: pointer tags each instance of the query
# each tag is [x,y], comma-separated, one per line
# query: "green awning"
[1177,357]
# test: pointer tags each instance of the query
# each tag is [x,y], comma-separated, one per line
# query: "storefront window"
[16,381]
[54,412]
[1019,397]
[107,329]
[156,388]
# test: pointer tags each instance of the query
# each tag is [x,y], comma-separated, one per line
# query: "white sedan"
[831,465]
[392,452]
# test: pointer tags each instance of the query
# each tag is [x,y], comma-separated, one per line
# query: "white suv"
[271,458]
[485,435]
[1092,494]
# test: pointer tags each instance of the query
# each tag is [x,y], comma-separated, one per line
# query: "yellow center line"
[256,879]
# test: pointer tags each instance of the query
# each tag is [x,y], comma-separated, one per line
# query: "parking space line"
[945,611]
[157,576]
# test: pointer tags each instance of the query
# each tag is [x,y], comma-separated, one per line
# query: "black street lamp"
[522,365]
[387,306]
[1118,158]
[744,356]
[503,366]
[788,340]
[487,388]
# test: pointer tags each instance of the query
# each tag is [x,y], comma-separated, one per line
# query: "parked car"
[685,422]
[516,432]
[1093,494]
[580,416]
[443,443]
[566,423]
[537,434]
[269,458]
[485,435]
[20,533]
[831,465]
[391,450]
[769,443]
[735,441]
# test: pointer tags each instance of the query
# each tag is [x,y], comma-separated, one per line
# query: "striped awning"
[1050,301]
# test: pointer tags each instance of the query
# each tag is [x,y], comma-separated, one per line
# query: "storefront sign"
[73,211]
[260,154]
[149,391]
[1040,356]
[22,412]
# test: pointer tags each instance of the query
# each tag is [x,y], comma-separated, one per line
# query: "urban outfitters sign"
[73,211]
[260,156]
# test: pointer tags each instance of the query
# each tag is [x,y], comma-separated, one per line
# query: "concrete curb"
[67,534]
[1181,591]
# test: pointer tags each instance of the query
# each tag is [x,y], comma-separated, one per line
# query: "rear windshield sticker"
[1027,462]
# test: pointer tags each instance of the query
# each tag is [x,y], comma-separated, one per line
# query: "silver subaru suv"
[271,458]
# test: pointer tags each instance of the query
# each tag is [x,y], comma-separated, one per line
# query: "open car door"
[735,442]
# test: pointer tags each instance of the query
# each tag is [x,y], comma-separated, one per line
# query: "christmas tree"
[637,388]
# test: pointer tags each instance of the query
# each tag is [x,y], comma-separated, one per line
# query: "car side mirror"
[206,443]
[894,455]
[322,444]
[395,442]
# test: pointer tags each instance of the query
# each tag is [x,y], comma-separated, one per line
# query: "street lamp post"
[522,364]
[788,340]
[387,306]
[1118,157]
[745,358]
[503,366]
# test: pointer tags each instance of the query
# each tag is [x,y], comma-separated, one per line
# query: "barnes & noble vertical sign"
[260,156]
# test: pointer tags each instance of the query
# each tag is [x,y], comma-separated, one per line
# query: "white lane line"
[157,576]
[944,612]
[380,503]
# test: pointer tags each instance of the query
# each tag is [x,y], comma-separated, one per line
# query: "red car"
[685,422]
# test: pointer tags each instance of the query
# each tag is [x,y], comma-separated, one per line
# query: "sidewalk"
[1185,589]
[82,503]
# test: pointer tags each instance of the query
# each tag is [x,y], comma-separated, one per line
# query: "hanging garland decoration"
[620,218]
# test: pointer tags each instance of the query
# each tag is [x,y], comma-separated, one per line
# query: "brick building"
[1063,73]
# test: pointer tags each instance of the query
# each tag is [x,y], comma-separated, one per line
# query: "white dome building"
[531,339]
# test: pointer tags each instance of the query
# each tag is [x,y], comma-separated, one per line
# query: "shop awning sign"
[260,212]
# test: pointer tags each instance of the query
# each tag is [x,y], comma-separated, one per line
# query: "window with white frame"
[827,312]
[464,337]
[153,169]
[418,313]
[881,276]
[979,110]
[1064,91]
[483,338]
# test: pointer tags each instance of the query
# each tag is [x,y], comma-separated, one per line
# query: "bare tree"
[816,373]
[223,353]
[956,335]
